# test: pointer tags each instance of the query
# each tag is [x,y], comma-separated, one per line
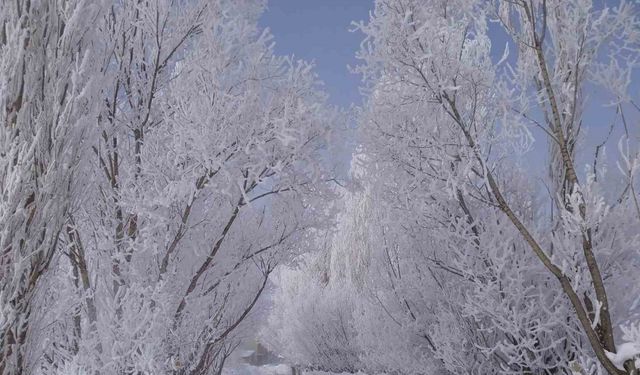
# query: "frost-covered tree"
[47,101]
[311,320]
[495,280]
[476,262]
[167,163]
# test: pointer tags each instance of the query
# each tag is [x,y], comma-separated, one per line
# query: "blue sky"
[318,30]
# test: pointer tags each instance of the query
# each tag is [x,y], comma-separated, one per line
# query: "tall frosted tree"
[522,288]
[47,96]
[161,161]
[481,260]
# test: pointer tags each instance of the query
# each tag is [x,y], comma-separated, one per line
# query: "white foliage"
[476,264]
[158,162]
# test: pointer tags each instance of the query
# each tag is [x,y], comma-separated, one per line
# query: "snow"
[244,369]
[625,351]
[261,370]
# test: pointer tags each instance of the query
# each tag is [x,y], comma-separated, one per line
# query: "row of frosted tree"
[157,162]
[488,231]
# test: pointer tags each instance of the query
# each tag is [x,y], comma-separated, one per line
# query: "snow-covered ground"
[238,364]
[244,369]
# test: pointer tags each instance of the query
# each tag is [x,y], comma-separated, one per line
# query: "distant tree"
[312,318]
